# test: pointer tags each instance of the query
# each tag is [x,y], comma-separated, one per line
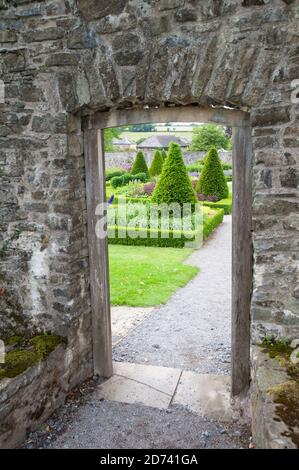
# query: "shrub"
[157,237]
[226,166]
[118,181]
[164,154]
[225,204]
[194,167]
[157,164]
[111,172]
[209,136]
[212,181]
[174,184]
[139,165]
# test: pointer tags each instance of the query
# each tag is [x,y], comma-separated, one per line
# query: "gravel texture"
[87,423]
[191,331]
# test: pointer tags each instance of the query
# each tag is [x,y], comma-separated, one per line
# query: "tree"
[174,184]
[208,136]
[157,164]
[212,181]
[142,128]
[110,134]
[139,165]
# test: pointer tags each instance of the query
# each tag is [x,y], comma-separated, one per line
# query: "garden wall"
[269,430]
[115,159]
[28,399]
[62,59]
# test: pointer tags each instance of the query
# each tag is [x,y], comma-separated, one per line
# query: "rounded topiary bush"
[118,181]
[157,164]
[174,184]
[139,165]
[212,181]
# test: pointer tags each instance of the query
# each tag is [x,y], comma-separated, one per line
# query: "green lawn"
[145,276]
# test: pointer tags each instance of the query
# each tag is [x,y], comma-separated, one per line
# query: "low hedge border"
[119,197]
[212,223]
[225,204]
[209,226]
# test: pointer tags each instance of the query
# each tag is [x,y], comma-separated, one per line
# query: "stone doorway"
[241,246]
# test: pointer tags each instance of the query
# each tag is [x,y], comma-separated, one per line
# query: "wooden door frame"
[93,127]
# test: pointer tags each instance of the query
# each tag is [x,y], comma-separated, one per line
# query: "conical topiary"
[156,165]
[164,154]
[139,165]
[212,181]
[174,184]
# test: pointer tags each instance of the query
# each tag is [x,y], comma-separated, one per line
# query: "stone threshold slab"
[162,387]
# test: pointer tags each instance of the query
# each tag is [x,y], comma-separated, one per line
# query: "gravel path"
[192,331]
[84,422]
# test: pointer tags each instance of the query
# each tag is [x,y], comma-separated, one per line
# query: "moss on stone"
[28,353]
[13,340]
[285,395]
[45,344]
[277,348]
[286,398]
[17,361]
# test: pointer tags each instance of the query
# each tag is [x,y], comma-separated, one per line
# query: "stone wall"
[63,59]
[269,431]
[115,159]
[31,397]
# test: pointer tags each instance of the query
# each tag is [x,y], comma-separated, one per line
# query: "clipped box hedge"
[185,236]
[225,204]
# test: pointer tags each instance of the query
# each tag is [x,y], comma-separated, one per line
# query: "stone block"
[93,9]
[61,59]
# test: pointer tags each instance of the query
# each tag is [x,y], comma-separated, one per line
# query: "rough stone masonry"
[61,60]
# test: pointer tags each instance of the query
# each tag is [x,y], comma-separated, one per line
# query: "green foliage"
[139,236]
[279,343]
[226,166]
[141,128]
[277,346]
[139,165]
[225,204]
[110,134]
[157,164]
[174,184]
[111,172]
[212,222]
[164,154]
[208,136]
[212,181]
[123,180]
[193,167]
